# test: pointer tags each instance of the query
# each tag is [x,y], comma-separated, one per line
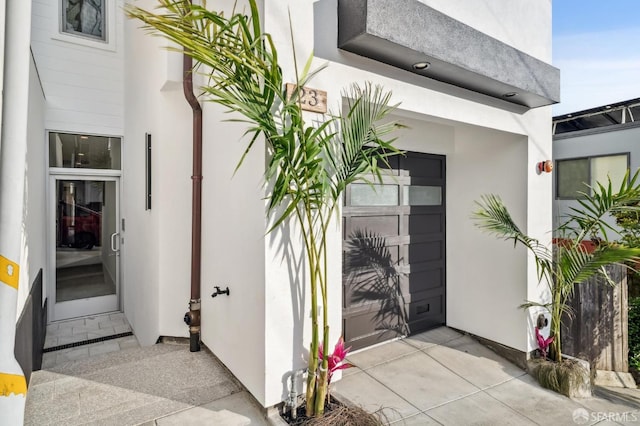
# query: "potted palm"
[567,263]
[309,166]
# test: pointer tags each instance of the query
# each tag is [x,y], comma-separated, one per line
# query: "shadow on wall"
[372,277]
[297,288]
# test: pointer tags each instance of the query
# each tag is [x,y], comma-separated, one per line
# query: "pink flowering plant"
[543,343]
[336,359]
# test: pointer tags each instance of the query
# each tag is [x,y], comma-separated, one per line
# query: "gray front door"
[394,252]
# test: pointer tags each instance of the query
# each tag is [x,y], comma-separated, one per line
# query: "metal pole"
[13,150]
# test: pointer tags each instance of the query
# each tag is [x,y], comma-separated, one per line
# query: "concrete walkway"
[163,384]
[437,377]
[443,377]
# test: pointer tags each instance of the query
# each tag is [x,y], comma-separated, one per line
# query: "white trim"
[109,43]
[81,171]
[101,173]
[80,307]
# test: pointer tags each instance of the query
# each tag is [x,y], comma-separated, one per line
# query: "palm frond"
[578,266]
[493,217]
[603,200]
[570,263]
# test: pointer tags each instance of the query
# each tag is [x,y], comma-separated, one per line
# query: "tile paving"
[444,377]
[80,330]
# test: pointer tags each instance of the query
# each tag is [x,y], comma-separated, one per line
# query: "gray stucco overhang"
[402,33]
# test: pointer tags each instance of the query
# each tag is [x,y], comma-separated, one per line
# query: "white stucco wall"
[234,327]
[486,279]
[33,256]
[155,253]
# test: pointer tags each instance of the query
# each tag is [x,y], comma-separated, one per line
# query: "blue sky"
[596,45]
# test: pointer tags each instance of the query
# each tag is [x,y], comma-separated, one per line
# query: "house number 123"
[310,99]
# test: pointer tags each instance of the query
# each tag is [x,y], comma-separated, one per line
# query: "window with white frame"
[574,176]
[84,18]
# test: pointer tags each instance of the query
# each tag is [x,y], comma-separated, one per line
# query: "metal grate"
[87,342]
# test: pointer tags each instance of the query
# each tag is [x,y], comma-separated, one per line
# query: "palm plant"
[309,166]
[569,262]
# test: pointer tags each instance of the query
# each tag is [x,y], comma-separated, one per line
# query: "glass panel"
[572,176]
[84,151]
[374,195]
[613,166]
[85,18]
[415,195]
[85,220]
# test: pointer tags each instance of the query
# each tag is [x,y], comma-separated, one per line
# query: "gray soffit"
[402,33]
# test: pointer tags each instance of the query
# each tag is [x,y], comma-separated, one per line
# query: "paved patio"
[437,377]
[444,377]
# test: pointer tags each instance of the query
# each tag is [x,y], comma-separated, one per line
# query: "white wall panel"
[33,237]
[85,80]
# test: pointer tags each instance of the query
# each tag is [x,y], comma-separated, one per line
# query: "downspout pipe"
[192,318]
[16,17]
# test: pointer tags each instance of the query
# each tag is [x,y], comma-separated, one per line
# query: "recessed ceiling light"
[421,65]
[84,137]
[510,94]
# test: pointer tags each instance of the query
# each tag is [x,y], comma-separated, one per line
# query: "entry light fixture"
[84,137]
[544,166]
[419,66]
[510,94]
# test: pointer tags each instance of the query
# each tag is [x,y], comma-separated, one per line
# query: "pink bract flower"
[543,343]
[336,359]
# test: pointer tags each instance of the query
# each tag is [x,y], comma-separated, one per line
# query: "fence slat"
[598,329]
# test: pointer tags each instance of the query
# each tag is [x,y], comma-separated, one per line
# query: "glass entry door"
[87,246]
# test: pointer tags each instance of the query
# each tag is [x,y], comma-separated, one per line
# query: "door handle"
[114,237]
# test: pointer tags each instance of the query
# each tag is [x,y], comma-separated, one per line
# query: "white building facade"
[108,179]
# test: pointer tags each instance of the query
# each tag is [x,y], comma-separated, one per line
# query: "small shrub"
[557,376]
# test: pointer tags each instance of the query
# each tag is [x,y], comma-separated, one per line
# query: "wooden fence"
[598,331]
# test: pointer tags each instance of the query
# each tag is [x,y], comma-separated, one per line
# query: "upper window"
[363,194]
[366,195]
[83,151]
[574,175]
[85,18]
